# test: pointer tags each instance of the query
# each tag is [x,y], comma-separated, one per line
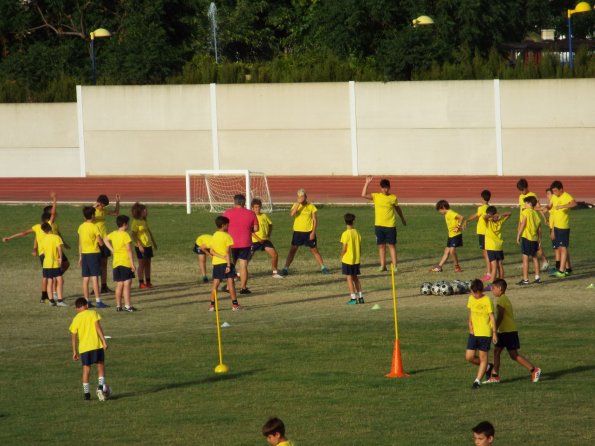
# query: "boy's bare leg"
[50,288]
[101,370]
[215,288]
[453,254]
[103,269]
[497,353]
[393,254]
[535,266]
[483,365]
[96,291]
[126,290]
[202,264]
[382,255]
[147,269]
[243,273]
[357,284]
[500,269]
[86,288]
[231,288]
[317,256]
[274,257]
[290,255]
[444,256]
[514,355]
[471,357]
[60,287]
[86,373]
[485,258]
[119,288]
[350,285]
[140,271]
[526,267]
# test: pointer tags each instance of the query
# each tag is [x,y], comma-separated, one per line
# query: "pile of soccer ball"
[445,288]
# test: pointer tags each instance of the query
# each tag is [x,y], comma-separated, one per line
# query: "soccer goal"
[214,189]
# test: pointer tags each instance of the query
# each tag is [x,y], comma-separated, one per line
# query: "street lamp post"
[99,33]
[580,7]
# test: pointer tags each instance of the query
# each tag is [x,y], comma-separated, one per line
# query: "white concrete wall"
[547,127]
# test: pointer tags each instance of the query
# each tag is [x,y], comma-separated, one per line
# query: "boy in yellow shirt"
[454,224]
[304,231]
[223,268]
[529,237]
[351,242]
[51,246]
[145,242]
[123,263]
[561,202]
[523,187]
[202,246]
[261,239]
[482,330]
[100,213]
[91,346]
[481,229]
[274,432]
[386,206]
[508,336]
[494,242]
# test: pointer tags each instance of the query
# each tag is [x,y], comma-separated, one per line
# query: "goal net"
[214,189]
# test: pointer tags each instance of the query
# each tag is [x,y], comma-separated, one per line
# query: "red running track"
[321,189]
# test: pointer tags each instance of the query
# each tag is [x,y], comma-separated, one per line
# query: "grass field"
[297,351]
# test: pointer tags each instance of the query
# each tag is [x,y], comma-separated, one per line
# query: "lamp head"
[99,33]
[580,7]
[422,20]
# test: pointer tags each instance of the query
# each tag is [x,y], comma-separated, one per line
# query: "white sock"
[85,387]
[353,296]
[361,294]
[537,277]
[101,381]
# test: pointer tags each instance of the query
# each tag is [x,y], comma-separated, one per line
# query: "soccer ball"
[107,391]
[458,287]
[436,289]
[426,288]
[445,289]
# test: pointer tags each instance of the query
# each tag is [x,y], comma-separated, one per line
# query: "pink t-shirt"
[241,222]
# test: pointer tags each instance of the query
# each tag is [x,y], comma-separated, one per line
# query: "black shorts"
[303,238]
[122,274]
[509,340]
[261,246]
[561,237]
[479,343]
[495,255]
[529,248]
[52,273]
[455,242]
[105,252]
[350,270]
[64,258]
[481,238]
[219,272]
[385,235]
[198,251]
[93,356]
[91,264]
[240,253]
[144,255]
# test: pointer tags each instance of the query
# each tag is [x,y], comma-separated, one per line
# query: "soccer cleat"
[352,302]
[489,369]
[245,291]
[205,279]
[149,285]
[560,274]
[285,271]
[212,307]
[118,309]
[90,305]
[486,277]
[567,272]
[236,307]
[53,303]
[277,276]
[545,265]
[324,270]
[142,286]
[537,280]
[523,282]
[130,309]
[436,269]
[61,303]
[100,394]
[535,374]
[101,305]
[458,269]
[552,271]
[87,397]
[476,384]
[492,380]
[360,300]
[382,268]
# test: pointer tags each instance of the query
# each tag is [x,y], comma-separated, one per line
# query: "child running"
[144,242]
[508,336]
[123,263]
[454,224]
[481,229]
[529,237]
[202,246]
[351,241]
[261,239]
[223,268]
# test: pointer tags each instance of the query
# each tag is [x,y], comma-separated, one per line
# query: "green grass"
[297,351]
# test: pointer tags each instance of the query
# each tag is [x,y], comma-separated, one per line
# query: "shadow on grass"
[555,374]
[178,385]
[422,371]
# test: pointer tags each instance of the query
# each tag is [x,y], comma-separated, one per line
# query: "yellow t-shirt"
[522,202]
[264,228]
[532,226]
[494,240]
[204,240]
[88,233]
[140,228]
[384,210]
[561,216]
[480,315]
[39,235]
[119,241]
[49,246]
[481,223]
[303,218]
[508,324]
[353,240]
[100,221]
[220,243]
[83,325]
[452,223]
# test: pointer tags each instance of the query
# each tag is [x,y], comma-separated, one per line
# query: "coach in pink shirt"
[242,223]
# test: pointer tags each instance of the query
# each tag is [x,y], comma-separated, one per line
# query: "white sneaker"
[545,265]
[100,395]
[61,303]
[277,276]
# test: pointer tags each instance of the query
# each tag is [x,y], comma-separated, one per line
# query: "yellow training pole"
[221,368]
[396,370]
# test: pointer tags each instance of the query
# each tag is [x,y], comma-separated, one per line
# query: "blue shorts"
[481,238]
[303,238]
[198,251]
[529,248]
[122,274]
[495,255]
[52,273]
[509,340]
[105,252]
[240,253]
[562,237]
[261,246]
[64,258]
[350,270]
[91,264]
[479,343]
[144,255]
[455,242]
[93,356]
[385,235]
[219,272]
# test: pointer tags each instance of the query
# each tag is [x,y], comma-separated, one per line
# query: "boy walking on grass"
[351,241]
[223,268]
[508,336]
[454,224]
[529,237]
[482,331]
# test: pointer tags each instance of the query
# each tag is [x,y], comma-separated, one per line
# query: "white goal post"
[214,189]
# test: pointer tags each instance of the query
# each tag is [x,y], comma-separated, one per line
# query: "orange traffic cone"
[396,371]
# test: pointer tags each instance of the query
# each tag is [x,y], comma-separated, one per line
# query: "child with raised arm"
[482,330]
[508,335]
[523,187]
[386,208]
[123,263]
[351,241]
[481,229]
[202,248]
[494,242]
[454,224]
[100,213]
[529,237]
[304,231]
[223,268]
[51,246]
[145,242]
[261,239]
[91,346]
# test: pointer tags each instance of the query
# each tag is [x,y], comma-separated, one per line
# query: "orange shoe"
[458,269]
[142,286]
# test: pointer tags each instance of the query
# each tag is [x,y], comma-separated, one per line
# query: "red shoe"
[149,285]
[142,286]
[486,278]
[536,374]
[458,269]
